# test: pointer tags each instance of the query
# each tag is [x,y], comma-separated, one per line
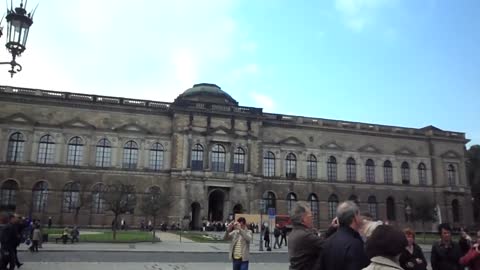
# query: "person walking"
[472,258]
[305,244]
[9,241]
[36,236]
[412,257]
[344,250]
[384,247]
[240,245]
[276,234]
[445,253]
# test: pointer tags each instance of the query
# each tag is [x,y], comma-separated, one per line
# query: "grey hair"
[298,212]
[346,212]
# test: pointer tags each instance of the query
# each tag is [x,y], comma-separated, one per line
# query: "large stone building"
[214,157]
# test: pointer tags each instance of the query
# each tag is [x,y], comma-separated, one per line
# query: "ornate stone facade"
[217,158]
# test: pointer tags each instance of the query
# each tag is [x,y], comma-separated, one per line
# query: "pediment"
[369,149]
[19,118]
[132,128]
[404,151]
[291,141]
[78,123]
[450,154]
[332,146]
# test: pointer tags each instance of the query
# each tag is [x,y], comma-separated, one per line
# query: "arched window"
[422,174]
[270,200]
[71,197]
[354,199]
[15,150]
[391,209]
[451,174]
[372,207]
[40,196]
[332,169]
[8,195]
[387,172]
[351,170]
[75,151]
[156,157]
[405,173]
[98,199]
[218,158]
[311,167]
[332,206]
[291,201]
[269,164]
[46,150]
[197,157]
[370,171]
[455,210]
[291,166]
[130,155]
[239,160]
[103,153]
[313,199]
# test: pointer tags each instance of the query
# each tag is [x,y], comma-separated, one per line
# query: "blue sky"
[409,63]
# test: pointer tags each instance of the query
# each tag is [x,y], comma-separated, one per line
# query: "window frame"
[103,153]
[15,147]
[75,151]
[351,170]
[332,169]
[130,155]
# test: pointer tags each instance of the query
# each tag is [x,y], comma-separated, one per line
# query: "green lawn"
[200,237]
[106,236]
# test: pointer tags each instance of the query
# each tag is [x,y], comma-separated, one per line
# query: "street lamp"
[18,25]
[262,208]
[408,211]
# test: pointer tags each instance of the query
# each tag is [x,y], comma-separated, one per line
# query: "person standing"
[36,236]
[384,247]
[472,258]
[240,246]
[412,257]
[283,231]
[266,237]
[445,253]
[49,222]
[344,250]
[276,234]
[305,245]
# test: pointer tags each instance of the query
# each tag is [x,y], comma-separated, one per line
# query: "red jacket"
[471,259]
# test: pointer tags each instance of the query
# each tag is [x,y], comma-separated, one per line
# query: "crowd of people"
[356,242]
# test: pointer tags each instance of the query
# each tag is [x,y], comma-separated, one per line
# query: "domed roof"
[206,92]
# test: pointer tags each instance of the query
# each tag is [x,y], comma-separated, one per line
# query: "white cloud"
[263,101]
[358,14]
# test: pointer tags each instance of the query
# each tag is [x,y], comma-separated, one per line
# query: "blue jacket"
[344,250]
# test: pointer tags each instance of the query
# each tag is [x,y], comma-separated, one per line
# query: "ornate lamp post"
[262,208]
[18,25]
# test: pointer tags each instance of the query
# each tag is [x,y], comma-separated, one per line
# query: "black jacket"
[408,261]
[9,238]
[445,257]
[303,248]
[344,250]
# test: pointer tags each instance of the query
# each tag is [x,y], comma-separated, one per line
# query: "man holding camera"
[240,245]
[472,258]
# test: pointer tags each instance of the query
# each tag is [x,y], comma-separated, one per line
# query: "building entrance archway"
[195,210]
[216,203]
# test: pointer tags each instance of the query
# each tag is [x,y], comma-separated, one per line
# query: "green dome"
[206,92]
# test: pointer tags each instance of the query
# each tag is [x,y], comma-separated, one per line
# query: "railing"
[210,107]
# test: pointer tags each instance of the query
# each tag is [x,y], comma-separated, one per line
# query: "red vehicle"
[283,221]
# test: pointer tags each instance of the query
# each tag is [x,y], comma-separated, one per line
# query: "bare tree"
[76,197]
[119,198]
[424,211]
[153,202]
